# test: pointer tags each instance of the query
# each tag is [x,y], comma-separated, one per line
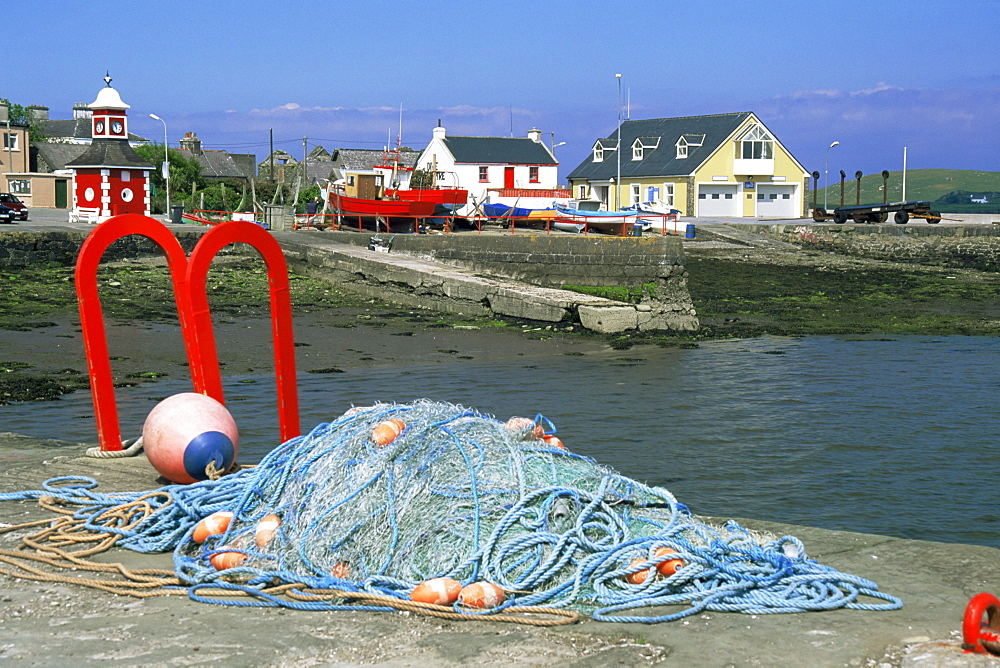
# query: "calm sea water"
[896,437]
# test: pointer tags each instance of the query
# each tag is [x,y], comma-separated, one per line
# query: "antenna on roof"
[511,108]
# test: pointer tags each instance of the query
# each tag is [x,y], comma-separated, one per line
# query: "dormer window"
[685,142]
[641,144]
[755,144]
[598,153]
[682,148]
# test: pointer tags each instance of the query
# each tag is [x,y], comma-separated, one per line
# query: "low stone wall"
[490,274]
[59,246]
[958,246]
[421,278]
[656,262]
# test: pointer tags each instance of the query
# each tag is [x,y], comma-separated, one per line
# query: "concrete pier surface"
[46,623]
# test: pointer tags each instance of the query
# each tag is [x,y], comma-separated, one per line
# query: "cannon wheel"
[934,218]
[860,218]
[879,217]
[839,217]
[901,217]
[819,215]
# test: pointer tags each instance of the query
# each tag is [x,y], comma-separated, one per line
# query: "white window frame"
[682,148]
[19,186]
[636,189]
[667,194]
[581,191]
[11,141]
[598,153]
[753,138]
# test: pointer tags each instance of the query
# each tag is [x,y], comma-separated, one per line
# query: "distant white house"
[980,200]
[495,169]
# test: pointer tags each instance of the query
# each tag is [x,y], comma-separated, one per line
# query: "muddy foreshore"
[737,291]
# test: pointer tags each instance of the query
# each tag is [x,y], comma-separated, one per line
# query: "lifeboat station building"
[725,165]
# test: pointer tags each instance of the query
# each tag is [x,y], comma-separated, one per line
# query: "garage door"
[718,200]
[776,201]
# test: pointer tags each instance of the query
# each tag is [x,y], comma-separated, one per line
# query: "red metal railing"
[189,276]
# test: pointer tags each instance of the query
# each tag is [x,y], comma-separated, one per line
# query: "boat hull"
[451,197]
[380,207]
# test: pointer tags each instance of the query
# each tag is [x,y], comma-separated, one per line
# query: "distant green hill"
[921,185]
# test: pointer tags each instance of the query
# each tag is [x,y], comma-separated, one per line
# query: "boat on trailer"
[586,215]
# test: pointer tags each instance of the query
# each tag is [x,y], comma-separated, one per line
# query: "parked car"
[16,205]
[6,215]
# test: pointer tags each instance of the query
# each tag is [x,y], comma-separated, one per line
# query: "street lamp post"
[826,177]
[166,160]
[618,149]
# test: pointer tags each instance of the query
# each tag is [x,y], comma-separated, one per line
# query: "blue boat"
[587,215]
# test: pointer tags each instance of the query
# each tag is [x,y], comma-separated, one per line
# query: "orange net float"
[438,591]
[386,432]
[227,557]
[189,437]
[669,566]
[638,577]
[481,595]
[265,529]
[213,525]
[666,566]
[524,428]
[341,570]
[554,441]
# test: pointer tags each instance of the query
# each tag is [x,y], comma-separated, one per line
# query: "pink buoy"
[187,434]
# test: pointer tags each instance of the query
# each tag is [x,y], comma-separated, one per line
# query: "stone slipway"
[422,282]
[62,624]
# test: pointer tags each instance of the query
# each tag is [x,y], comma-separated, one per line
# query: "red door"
[508,177]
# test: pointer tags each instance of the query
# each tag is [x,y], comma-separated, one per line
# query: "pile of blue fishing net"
[462,495]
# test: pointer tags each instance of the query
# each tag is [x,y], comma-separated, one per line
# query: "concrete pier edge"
[51,624]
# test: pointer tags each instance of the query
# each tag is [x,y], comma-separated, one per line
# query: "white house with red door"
[494,169]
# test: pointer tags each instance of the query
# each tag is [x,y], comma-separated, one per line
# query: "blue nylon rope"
[456,496]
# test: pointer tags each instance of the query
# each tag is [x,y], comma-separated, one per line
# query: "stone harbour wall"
[413,272]
[59,246]
[653,262]
[471,274]
[969,247]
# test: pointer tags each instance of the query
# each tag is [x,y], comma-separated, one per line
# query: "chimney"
[439,131]
[534,134]
[190,142]
[38,112]
[4,112]
[81,110]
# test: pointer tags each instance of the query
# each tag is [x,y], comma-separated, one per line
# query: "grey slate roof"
[362,159]
[661,161]
[110,152]
[215,164]
[76,128]
[48,157]
[498,150]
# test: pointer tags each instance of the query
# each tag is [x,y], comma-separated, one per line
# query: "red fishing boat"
[355,206]
[396,172]
[452,198]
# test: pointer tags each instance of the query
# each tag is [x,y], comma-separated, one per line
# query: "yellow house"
[723,165]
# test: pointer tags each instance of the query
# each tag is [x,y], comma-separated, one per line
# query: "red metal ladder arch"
[195,322]
[283,340]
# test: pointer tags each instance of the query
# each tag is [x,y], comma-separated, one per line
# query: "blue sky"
[875,76]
